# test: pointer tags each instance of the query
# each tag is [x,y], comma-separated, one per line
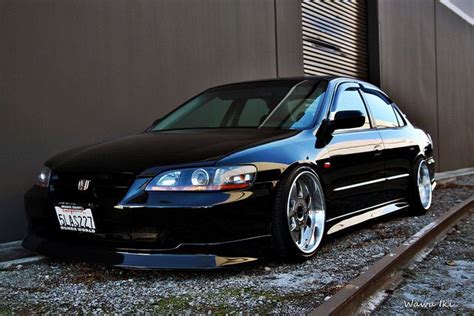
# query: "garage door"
[335,38]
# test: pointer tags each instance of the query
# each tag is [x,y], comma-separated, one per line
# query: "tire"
[420,193]
[298,214]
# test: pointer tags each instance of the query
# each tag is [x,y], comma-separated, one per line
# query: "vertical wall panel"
[408,60]
[289,36]
[455,62]
[426,54]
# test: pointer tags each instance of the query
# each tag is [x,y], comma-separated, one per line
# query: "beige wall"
[426,66]
[75,72]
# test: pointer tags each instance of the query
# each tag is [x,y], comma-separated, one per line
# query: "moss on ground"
[220,302]
[173,303]
[5,310]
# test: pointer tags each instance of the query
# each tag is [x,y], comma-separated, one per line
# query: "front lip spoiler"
[132,260]
[173,261]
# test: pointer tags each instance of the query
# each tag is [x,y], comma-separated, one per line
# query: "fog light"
[43,177]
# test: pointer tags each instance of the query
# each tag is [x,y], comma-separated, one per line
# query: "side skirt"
[377,211]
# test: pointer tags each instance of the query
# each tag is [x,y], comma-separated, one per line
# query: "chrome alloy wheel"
[306,212]
[424,185]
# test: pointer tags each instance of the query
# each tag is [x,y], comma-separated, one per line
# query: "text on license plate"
[75,218]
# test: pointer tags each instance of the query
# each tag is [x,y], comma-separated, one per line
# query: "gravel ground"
[443,282]
[264,287]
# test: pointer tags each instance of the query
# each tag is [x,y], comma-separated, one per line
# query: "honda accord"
[237,172]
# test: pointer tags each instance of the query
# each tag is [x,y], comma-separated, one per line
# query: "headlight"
[43,177]
[204,179]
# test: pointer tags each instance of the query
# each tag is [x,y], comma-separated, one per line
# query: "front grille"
[116,180]
[64,187]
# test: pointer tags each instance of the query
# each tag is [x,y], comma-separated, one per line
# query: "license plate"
[75,218]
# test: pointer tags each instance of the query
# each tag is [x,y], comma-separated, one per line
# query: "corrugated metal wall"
[335,38]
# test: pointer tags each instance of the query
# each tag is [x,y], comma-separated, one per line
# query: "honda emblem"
[83,185]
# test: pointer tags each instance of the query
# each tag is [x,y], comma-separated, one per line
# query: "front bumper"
[149,237]
[135,260]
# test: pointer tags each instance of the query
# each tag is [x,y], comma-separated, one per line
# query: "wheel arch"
[314,166]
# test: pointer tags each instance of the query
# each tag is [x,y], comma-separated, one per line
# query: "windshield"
[286,104]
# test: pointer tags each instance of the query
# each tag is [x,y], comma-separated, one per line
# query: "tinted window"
[254,112]
[287,104]
[382,112]
[210,113]
[298,109]
[349,100]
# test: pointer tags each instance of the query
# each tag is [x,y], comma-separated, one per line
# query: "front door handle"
[378,150]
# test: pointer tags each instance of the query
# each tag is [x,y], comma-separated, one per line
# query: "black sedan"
[237,172]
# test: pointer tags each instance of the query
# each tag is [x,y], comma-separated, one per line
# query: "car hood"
[166,148]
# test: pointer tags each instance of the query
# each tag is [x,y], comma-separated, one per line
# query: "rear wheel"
[299,214]
[420,188]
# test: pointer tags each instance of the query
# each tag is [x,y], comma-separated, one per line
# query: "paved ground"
[443,282]
[11,251]
[264,287]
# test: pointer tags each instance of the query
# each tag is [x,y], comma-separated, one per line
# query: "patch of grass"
[242,294]
[222,310]
[227,301]
[268,296]
[172,304]
[5,310]
[254,294]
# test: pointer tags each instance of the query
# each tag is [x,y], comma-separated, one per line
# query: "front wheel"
[299,214]
[420,188]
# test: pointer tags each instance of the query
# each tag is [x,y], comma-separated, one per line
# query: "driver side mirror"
[347,119]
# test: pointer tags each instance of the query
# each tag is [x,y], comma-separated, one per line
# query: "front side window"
[285,104]
[349,99]
[382,111]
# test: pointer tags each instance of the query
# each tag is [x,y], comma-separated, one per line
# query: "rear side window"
[401,121]
[383,113]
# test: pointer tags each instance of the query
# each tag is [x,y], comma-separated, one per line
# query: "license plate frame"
[75,217]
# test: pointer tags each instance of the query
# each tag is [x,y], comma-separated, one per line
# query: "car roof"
[281,79]
[301,78]
[297,79]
